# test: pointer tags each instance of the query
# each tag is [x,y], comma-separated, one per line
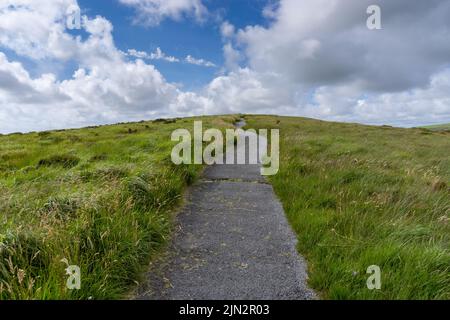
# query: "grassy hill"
[103,197]
[439,127]
[359,196]
[100,198]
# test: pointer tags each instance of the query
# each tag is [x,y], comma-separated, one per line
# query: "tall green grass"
[439,127]
[100,198]
[360,195]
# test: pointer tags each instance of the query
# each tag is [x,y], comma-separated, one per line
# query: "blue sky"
[145,59]
[180,38]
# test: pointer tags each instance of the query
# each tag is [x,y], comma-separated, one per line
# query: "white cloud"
[324,62]
[316,58]
[227,30]
[35,28]
[137,54]
[199,62]
[243,90]
[157,55]
[32,104]
[106,87]
[321,42]
[232,57]
[152,12]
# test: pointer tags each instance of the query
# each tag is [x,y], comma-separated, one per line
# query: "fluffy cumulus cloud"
[107,87]
[321,42]
[244,90]
[323,61]
[35,28]
[314,58]
[152,12]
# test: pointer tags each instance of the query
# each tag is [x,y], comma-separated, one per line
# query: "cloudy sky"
[145,59]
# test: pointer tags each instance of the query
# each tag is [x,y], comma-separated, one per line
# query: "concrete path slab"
[233,242]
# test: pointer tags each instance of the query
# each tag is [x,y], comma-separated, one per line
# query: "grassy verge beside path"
[361,195]
[100,198]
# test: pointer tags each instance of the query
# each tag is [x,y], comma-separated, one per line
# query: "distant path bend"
[234,242]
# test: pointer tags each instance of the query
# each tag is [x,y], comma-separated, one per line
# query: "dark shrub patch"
[44,134]
[350,177]
[74,138]
[425,131]
[328,203]
[165,121]
[104,173]
[13,155]
[65,160]
[99,157]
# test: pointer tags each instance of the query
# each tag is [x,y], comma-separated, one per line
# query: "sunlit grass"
[439,127]
[360,195]
[100,198]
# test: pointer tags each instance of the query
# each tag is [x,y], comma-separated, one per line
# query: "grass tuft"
[102,200]
[361,195]
[64,160]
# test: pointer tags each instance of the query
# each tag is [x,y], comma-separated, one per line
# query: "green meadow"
[361,195]
[439,127]
[101,198]
[104,198]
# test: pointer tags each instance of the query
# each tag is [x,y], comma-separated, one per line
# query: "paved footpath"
[233,242]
